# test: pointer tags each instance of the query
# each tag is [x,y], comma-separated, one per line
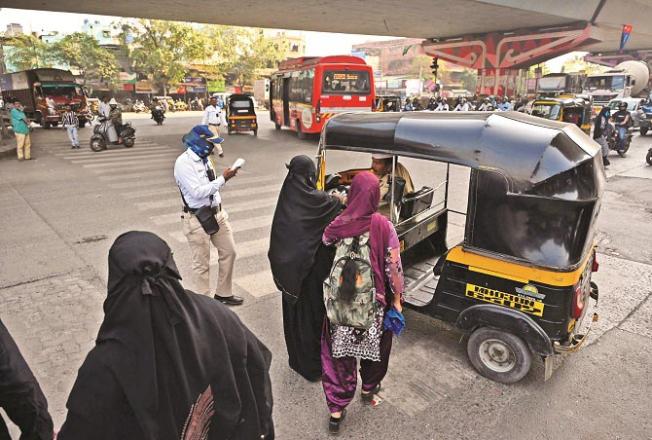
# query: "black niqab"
[161,347]
[301,215]
[20,394]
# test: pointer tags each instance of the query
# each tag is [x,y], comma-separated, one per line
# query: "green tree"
[82,52]
[25,52]
[252,52]
[163,50]
[469,79]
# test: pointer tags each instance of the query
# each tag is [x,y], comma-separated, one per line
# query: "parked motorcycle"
[180,106]
[139,106]
[101,138]
[158,115]
[612,141]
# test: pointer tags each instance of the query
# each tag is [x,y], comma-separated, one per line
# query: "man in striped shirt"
[70,122]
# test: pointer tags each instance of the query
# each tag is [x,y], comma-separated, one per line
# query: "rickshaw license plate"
[526,305]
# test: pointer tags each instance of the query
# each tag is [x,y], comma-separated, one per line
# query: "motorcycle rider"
[442,105]
[115,116]
[409,107]
[486,105]
[104,108]
[622,119]
[463,106]
[157,109]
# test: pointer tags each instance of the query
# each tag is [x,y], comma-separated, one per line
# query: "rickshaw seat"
[416,202]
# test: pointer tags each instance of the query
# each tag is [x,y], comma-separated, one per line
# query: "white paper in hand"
[239,163]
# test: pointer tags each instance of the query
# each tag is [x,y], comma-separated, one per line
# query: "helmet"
[113,102]
[622,105]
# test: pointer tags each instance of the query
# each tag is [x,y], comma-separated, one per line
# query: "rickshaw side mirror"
[332,181]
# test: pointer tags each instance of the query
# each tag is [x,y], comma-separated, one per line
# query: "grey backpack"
[349,292]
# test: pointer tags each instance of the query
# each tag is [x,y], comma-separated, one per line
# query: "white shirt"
[191,175]
[212,115]
[442,107]
[104,109]
[463,107]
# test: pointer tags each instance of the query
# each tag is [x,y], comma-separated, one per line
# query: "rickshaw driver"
[381,166]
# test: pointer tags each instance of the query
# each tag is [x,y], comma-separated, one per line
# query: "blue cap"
[205,132]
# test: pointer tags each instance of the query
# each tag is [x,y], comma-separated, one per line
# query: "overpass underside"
[497,37]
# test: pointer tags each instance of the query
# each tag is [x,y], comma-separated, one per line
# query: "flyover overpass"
[400,18]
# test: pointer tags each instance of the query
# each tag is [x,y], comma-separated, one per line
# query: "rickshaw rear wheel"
[499,355]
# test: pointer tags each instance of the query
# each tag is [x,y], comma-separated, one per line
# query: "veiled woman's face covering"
[305,167]
[140,254]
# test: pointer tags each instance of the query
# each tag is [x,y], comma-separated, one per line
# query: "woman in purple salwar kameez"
[340,345]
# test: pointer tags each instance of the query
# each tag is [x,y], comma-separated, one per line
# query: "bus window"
[346,82]
[301,86]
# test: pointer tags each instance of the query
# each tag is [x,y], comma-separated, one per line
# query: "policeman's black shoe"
[232,300]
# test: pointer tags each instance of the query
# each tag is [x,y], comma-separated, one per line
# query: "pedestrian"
[71,122]
[300,262]
[168,364]
[21,129]
[21,397]
[214,118]
[204,220]
[374,243]
[602,129]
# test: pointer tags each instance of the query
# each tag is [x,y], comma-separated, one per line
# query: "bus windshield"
[346,82]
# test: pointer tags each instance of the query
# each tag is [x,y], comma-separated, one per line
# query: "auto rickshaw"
[241,114]
[518,282]
[387,104]
[572,110]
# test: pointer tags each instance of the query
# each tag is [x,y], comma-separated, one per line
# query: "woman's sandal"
[371,397]
[334,423]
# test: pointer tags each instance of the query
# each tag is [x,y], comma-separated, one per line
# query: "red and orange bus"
[306,91]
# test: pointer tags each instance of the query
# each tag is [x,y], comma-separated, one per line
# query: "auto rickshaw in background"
[564,109]
[518,282]
[241,115]
[385,103]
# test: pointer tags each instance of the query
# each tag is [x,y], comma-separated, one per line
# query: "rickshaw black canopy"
[535,185]
[241,98]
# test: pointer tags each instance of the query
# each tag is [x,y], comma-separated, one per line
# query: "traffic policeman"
[204,220]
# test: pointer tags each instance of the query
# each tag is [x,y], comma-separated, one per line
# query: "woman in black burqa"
[168,364]
[300,263]
[20,394]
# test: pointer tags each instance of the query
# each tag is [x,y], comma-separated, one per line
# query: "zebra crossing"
[143,177]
